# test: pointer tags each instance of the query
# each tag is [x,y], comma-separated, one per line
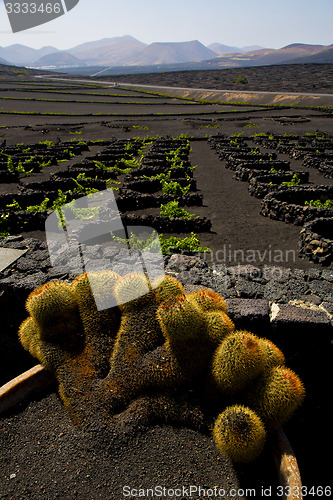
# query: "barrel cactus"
[240,433]
[238,360]
[146,358]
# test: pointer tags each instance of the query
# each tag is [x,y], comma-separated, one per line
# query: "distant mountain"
[3,61]
[44,51]
[58,59]
[172,52]
[22,55]
[263,57]
[283,55]
[302,46]
[220,49]
[250,48]
[17,54]
[323,57]
[127,54]
[109,51]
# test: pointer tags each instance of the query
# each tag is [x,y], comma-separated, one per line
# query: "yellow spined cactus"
[127,350]
[167,289]
[132,287]
[208,300]
[218,326]
[239,433]
[99,327]
[273,355]
[237,361]
[180,319]
[276,395]
[54,309]
[28,336]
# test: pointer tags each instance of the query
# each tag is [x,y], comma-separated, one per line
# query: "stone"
[19,245]
[327,275]
[191,276]
[23,284]
[249,313]
[8,256]
[92,251]
[314,243]
[296,288]
[27,265]
[226,293]
[34,244]
[300,329]
[283,314]
[96,265]
[328,308]
[10,239]
[299,274]
[218,281]
[312,299]
[313,273]
[246,271]
[279,274]
[323,289]
[57,273]
[249,289]
[238,308]
[275,291]
[110,252]
[179,263]
[40,255]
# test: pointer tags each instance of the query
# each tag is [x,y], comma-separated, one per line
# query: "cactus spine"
[273,355]
[237,361]
[180,320]
[99,327]
[55,312]
[28,336]
[130,288]
[218,326]
[208,300]
[159,340]
[276,395]
[167,289]
[239,433]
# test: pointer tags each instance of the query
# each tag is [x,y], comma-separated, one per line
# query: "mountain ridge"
[61,58]
[21,54]
[172,52]
[109,51]
[128,52]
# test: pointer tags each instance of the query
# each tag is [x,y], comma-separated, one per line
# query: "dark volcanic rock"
[275,291]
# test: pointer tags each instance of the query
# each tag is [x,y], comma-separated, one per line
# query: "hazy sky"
[232,22]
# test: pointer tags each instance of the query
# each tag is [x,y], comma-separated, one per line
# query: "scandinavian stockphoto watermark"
[87,236]
[25,14]
[253,256]
[228,263]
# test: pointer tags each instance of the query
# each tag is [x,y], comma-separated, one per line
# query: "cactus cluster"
[143,358]
[251,372]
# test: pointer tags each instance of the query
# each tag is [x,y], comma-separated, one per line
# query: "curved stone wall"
[288,205]
[316,241]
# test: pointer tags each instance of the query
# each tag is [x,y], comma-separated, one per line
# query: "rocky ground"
[275,78]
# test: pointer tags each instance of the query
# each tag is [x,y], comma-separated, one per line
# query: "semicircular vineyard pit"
[316,241]
[298,205]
